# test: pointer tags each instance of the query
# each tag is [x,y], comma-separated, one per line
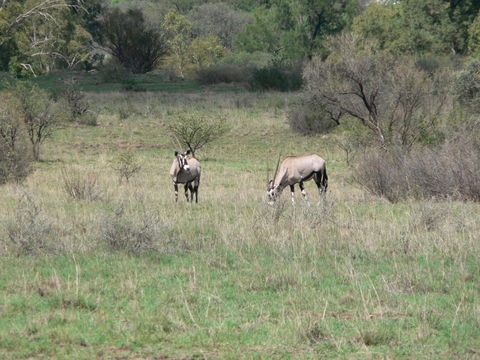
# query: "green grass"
[353,277]
[92,82]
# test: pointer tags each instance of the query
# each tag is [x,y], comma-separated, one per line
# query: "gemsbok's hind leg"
[318,178]
[190,187]
[195,189]
[186,191]
[176,192]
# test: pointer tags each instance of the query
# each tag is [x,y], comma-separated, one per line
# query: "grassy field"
[351,277]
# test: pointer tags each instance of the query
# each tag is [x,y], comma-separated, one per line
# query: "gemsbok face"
[186,170]
[296,170]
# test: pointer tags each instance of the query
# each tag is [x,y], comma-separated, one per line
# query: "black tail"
[324,180]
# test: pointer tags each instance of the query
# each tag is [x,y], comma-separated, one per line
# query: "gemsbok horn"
[296,170]
[186,170]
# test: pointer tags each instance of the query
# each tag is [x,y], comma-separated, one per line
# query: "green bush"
[277,77]
[222,73]
[131,84]
[467,86]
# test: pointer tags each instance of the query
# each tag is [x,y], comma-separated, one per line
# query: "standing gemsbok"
[296,170]
[186,170]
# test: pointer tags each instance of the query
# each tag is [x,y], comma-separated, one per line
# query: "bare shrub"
[451,170]
[126,165]
[81,186]
[29,229]
[194,130]
[123,232]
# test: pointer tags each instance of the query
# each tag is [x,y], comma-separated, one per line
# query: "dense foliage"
[186,36]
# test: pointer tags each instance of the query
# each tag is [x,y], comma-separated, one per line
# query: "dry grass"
[349,277]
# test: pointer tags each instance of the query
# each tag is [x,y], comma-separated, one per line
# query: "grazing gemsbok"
[297,170]
[186,170]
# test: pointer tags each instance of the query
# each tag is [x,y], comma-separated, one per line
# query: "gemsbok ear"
[176,153]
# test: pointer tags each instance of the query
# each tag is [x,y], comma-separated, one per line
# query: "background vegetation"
[98,261]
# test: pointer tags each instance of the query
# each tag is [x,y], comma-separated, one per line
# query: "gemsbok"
[186,170]
[296,170]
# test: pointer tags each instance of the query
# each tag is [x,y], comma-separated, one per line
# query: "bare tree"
[392,98]
[194,131]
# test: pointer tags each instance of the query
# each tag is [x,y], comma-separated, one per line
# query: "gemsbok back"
[296,170]
[186,170]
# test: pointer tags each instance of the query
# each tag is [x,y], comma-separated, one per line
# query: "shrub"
[29,229]
[451,170]
[122,232]
[15,162]
[15,165]
[113,72]
[131,84]
[126,165]
[277,77]
[80,186]
[222,73]
[467,86]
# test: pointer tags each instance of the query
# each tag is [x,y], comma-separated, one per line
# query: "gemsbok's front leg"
[176,192]
[292,190]
[304,193]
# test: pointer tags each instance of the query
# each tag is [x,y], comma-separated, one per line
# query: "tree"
[391,97]
[40,116]
[217,19]
[194,131]
[418,26]
[295,29]
[137,46]
[206,52]
[178,31]
[39,35]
